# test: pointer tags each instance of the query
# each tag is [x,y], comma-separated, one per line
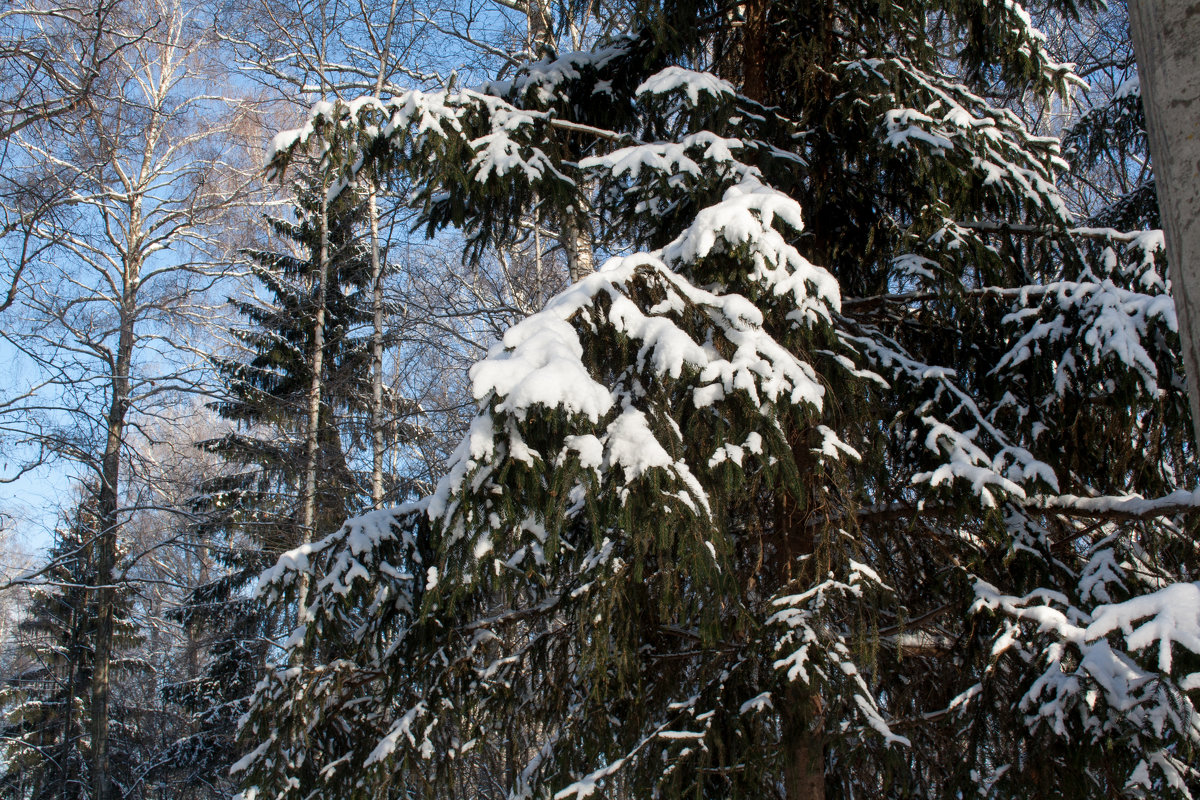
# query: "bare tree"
[146,174]
[15,559]
[53,58]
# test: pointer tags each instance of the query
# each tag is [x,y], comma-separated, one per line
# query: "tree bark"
[754,51]
[376,355]
[312,434]
[539,25]
[802,742]
[804,752]
[106,540]
[576,234]
[1166,39]
[76,685]
[577,241]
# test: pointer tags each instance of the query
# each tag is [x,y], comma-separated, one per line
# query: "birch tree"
[54,58]
[1166,36]
[147,173]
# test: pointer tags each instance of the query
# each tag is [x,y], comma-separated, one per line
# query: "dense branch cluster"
[823,478]
[680,399]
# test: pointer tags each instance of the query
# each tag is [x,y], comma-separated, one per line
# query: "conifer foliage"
[45,734]
[832,481]
[251,512]
[266,392]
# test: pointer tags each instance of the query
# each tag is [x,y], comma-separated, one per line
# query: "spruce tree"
[252,512]
[266,392]
[46,730]
[832,482]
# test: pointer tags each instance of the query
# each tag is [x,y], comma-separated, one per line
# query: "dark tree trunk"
[105,545]
[754,51]
[804,752]
[802,743]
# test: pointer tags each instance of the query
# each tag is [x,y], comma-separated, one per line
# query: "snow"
[821,653]
[632,446]
[693,84]
[965,461]
[350,553]
[833,447]
[1101,570]
[902,130]
[759,702]
[961,433]
[671,158]
[243,763]
[1130,87]
[736,452]
[587,786]
[544,77]
[1178,501]
[589,449]
[1113,323]
[498,153]
[666,349]
[296,560]
[746,217]
[540,363]
[1087,654]
[1174,614]
[1135,697]
[401,729]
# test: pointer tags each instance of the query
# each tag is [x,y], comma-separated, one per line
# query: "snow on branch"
[814,652]
[1112,323]
[1084,665]
[958,432]
[691,83]
[1181,501]
[1174,618]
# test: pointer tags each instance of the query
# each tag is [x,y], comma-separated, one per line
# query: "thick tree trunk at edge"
[1166,38]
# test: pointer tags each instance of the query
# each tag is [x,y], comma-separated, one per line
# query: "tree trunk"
[312,435]
[376,356]
[106,543]
[577,241]
[576,234]
[1166,39]
[539,25]
[802,742]
[803,748]
[754,51]
[76,686]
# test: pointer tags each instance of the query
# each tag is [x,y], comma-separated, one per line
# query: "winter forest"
[564,399]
